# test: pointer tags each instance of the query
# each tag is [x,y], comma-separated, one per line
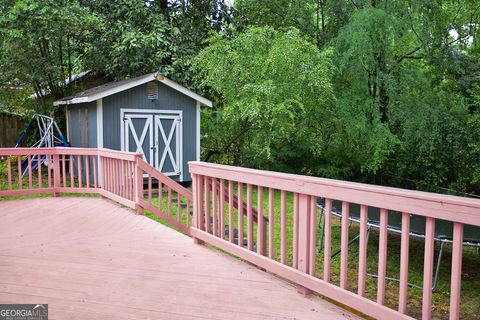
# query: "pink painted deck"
[91,258]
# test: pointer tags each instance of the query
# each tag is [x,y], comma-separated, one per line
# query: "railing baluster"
[118,185]
[222,208]
[95,182]
[260,223]
[206,194]
[115,176]
[9,172]
[249,218]
[20,172]
[313,235]
[87,171]
[240,213]
[456,278]
[271,223]
[79,170]
[187,223]
[110,174]
[149,188]
[230,212]
[200,201]
[179,207]
[130,179]
[169,199]
[131,167]
[71,171]
[125,178]
[29,171]
[283,227]
[382,256]
[39,171]
[214,206]
[403,291]
[428,268]
[139,192]
[362,252]
[328,239]
[121,178]
[206,190]
[160,196]
[344,246]
[295,231]
[56,174]
[64,171]
[104,173]
[49,166]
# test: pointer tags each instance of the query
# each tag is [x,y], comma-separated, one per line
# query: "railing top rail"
[123,155]
[119,154]
[452,208]
[165,180]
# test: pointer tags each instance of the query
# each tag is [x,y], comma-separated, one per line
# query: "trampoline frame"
[371,225]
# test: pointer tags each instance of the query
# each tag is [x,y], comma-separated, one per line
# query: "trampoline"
[443,230]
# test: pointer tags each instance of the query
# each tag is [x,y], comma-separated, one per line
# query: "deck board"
[90,258]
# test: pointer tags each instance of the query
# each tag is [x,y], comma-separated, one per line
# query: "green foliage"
[42,42]
[134,39]
[375,91]
[275,88]
[137,38]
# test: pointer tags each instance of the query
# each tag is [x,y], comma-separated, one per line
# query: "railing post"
[196,209]
[138,185]
[56,175]
[303,250]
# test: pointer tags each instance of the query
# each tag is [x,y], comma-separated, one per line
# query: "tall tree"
[43,42]
[275,90]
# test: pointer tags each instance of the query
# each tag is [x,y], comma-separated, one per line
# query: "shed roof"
[119,86]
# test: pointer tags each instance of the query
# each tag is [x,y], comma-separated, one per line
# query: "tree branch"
[408,54]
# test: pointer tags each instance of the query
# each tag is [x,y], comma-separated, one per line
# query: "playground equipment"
[50,136]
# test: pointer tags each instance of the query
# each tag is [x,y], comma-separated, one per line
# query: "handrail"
[300,219]
[162,178]
[423,203]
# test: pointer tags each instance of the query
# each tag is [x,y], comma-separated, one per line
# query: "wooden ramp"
[90,258]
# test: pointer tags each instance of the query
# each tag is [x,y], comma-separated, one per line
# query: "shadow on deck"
[90,258]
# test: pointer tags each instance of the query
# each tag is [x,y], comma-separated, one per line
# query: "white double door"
[157,134]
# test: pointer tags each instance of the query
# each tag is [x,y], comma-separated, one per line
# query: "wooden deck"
[90,258]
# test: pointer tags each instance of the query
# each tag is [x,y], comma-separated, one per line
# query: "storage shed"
[150,114]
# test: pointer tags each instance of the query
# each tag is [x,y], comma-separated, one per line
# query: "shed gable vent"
[152,90]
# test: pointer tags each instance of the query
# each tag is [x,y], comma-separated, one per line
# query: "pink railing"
[33,171]
[113,174]
[266,218]
[118,176]
[291,242]
[178,215]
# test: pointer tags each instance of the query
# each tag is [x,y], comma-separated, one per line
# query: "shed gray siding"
[82,129]
[136,98]
[82,125]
